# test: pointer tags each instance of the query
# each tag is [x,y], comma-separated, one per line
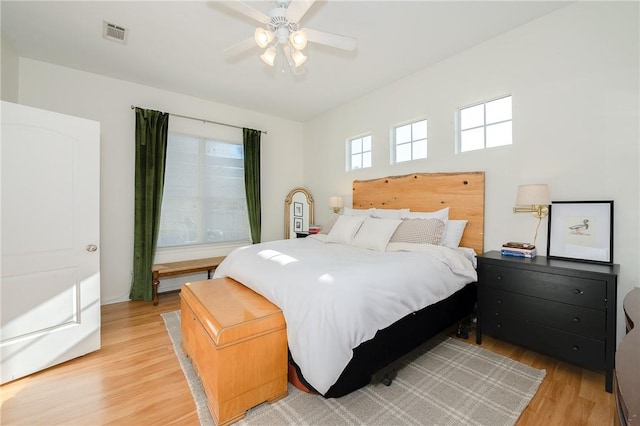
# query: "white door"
[50,288]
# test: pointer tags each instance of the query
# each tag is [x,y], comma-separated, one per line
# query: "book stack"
[518,249]
[314,229]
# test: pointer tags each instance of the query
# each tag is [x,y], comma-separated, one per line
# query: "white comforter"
[334,297]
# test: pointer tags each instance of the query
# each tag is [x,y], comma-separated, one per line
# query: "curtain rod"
[206,121]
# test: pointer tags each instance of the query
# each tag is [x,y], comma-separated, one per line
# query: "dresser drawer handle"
[576,319]
[499,325]
[499,301]
[499,277]
[576,348]
[578,291]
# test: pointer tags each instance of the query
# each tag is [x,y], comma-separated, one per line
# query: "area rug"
[446,382]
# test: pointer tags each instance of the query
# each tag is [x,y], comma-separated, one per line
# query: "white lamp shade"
[335,202]
[298,58]
[298,40]
[262,37]
[269,56]
[533,195]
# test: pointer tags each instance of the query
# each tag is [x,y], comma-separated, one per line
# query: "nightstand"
[560,308]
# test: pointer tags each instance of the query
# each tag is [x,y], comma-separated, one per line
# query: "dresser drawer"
[570,347]
[589,293]
[571,318]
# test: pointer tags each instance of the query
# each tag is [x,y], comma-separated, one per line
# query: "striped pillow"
[419,231]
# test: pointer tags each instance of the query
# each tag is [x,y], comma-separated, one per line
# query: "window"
[485,125]
[410,141]
[359,153]
[204,199]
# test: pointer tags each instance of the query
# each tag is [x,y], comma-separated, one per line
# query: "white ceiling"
[178,46]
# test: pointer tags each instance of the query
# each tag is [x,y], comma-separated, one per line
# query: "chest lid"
[230,312]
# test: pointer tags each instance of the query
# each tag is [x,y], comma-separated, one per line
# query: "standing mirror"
[298,213]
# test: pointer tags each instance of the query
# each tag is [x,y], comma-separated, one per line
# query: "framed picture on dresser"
[581,231]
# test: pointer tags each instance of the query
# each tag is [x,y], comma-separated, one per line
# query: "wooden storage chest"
[237,342]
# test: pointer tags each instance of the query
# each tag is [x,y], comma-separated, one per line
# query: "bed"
[344,325]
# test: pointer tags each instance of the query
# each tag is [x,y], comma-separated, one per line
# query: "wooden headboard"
[462,192]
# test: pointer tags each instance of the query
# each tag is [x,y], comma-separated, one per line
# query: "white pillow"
[327,226]
[344,229]
[389,213]
[453,233]
[442,214]
[356,212]
[374,234]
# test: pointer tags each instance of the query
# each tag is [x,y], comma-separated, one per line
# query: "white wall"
[8,71]
[108,101]
[574,80]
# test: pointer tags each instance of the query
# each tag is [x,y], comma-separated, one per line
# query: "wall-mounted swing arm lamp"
[534,199]
[335,202]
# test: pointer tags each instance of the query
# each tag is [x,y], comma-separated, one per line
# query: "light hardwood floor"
[135,379]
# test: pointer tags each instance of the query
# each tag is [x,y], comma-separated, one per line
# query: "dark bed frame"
[377,357]
[463,193]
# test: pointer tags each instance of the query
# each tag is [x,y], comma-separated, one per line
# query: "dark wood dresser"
[627,377]
[560,308]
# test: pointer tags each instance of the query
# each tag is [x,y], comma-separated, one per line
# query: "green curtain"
[151,150]
[251,144]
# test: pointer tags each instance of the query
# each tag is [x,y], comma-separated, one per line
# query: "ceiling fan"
[281,29]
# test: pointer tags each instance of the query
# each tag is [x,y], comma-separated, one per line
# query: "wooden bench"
[237,342]
[179,268]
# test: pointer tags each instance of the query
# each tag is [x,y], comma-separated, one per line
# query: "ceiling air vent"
[114,32]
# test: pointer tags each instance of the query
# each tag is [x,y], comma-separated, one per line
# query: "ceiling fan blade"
[294,70]
[239,48]
[246,10]
[333,40]
[297,9]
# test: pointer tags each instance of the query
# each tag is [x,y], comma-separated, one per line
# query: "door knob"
[92,247]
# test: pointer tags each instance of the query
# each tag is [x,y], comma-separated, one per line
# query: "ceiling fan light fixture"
[269,56]
[298,39]
[298,58]
[280,27]
[262,37]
